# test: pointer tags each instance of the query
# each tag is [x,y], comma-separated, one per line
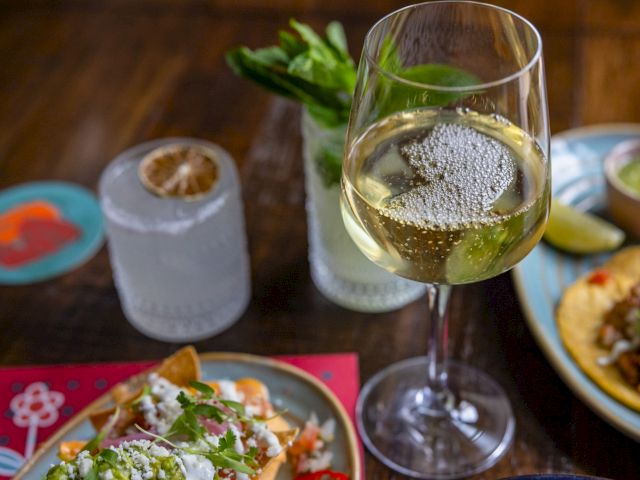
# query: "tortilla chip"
[271,468]
[180,368]
[627,262]
[580,316]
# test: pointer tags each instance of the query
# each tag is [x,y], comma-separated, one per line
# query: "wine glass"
[445,181]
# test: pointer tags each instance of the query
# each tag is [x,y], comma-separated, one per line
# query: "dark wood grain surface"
[82,80]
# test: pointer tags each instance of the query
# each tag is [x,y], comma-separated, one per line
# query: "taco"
[599,323]
[167,424]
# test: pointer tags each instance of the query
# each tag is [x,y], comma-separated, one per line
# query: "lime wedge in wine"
[580,232]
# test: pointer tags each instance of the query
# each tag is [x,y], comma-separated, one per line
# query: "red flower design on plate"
[36,406]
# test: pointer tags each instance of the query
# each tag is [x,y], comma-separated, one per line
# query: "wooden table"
[81,81]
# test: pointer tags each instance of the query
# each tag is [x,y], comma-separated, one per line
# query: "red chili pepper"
[321,474]
[599,277]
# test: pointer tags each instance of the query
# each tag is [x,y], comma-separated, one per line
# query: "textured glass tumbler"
[338,268]
[181,267]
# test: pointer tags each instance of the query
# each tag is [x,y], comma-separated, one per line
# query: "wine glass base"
[465,431]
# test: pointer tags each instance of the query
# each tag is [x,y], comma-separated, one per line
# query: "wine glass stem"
[438,300]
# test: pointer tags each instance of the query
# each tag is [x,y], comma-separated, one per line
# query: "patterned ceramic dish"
[578,179]
[290,389]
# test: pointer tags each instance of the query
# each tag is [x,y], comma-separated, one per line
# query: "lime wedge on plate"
[580,232]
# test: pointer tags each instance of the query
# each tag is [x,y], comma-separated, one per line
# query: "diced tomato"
[599,277]
[70,449]
[322,475]
[306,442]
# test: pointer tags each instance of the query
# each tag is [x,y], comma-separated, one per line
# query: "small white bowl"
[623,202]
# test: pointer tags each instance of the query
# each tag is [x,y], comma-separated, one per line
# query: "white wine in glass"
[445,181]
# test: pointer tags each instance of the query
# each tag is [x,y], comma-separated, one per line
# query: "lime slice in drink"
[179,171]
[580,232]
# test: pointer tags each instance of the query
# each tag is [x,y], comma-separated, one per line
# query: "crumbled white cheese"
[266,439]
[106,475]
[315,464]
[228,391]
[85,462]
[213,440]
[197,467]
[253,410]
[141,464]
[162,414]
[158,451]
[237,446]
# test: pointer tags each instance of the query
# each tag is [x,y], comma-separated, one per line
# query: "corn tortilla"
[581,313]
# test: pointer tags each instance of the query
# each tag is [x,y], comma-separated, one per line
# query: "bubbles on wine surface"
[462,173]
[445,196]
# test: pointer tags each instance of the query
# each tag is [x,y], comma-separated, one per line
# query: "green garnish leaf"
[206,391]
[109,456]
[93,473]
[237,407]
[224,461]
[316,71]
[228,441]
[188,425]
[209,411]
[338,40]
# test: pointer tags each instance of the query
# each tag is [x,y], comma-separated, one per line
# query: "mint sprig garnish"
[315,70]
[318,72]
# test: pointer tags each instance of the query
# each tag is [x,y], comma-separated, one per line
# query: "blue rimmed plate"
[577,179]
[78,207]
[290,389]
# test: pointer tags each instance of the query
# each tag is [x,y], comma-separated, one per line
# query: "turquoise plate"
[290,388]
[578,179]
[78,206]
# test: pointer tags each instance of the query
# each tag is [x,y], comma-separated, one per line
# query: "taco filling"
[620,334]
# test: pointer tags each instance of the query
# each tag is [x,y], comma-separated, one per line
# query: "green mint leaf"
[338,40]
[317,72]
[329,165]
[278,80]
[237,407]
[290,44]
[271,55]
[203,388]
[209,411]
[306,33]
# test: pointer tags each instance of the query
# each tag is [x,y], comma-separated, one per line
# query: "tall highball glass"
[445,181]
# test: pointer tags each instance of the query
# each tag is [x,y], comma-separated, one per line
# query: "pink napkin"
[36,401]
